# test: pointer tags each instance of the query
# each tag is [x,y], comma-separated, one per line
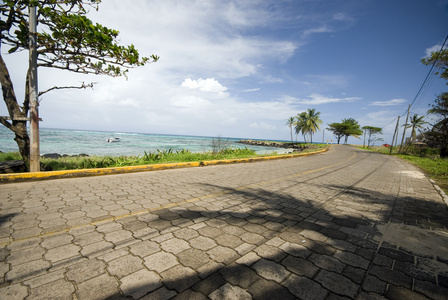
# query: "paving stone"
[337,283]
[391,276]
[160,261]
[431,290]
[190,295]
[160,294]
[179,278]
[174,245]
[300,266]
[351,259]
[186,233]
[13,292]
[266,289]
[27,270]
[270,270]
[305,288]
[397,254]
[193,258]
[240,275]
[210,283]
[223,254]
[354,274]
[96,249]
[124,265]
[140,283]
[228,240]
[394,292]
[327,262]
[62,253]
[59,289]
[229,291]
[85,270]
[26,255]
[144,248]
[202,243]
[374,285]
[100,287]
[296,249]
[270,252]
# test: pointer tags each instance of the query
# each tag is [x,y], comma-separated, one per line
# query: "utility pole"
[404,130]
[395,132]
[34,102]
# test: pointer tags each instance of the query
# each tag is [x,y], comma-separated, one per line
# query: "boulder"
[12,166]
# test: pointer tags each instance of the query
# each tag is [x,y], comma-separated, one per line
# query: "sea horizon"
[94,142]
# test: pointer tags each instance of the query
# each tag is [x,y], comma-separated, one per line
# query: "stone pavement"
[347,224]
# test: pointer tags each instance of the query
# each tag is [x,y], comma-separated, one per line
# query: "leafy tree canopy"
[440,60]
[67,40]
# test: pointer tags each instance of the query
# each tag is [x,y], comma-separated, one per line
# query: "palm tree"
[290,122]
[312,122]
[300,124]
[416,123]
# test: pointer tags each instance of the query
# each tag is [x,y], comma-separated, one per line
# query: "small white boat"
[113,140]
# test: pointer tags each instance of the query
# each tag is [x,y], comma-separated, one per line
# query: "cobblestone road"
[347,224]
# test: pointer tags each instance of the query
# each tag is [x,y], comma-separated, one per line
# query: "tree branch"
[82,86]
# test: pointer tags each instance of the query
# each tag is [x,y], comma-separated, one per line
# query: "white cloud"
[317,99]
[129,102]
[435,48]
[388,103]
[251,90]
[204,85]
[262,125]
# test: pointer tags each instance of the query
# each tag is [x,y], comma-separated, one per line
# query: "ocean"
[74,142]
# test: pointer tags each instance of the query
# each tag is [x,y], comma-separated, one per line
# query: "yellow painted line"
[20,177]
[169,205]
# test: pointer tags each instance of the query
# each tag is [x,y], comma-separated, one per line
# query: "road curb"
[440,191]
[21,177]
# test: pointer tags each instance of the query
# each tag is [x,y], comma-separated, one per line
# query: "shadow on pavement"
[300,251]
[318,255]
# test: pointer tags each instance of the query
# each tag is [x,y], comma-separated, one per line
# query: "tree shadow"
[308,251]
[282,247]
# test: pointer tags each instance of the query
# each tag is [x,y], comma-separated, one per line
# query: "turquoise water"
[73,142]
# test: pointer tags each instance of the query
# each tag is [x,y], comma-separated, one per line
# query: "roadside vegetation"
[148,158]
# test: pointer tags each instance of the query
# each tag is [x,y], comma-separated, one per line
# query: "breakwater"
[294,146]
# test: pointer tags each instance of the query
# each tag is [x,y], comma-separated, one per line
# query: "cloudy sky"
[241,68]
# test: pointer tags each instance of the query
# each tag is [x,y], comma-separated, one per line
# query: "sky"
[241,68]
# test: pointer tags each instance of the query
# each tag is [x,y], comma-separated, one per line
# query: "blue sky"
[242,68]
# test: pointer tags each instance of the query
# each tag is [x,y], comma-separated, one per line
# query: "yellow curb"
[20,177]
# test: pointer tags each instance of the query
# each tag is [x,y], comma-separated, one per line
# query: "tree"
[440,60]
[371,131]
[290,123]
[416,124]
[438,135]
[312,121]
[67,40]
[352,128]
[299,125]
[348,127]
[338,130]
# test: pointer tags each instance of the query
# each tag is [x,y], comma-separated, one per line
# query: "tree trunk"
[15,111]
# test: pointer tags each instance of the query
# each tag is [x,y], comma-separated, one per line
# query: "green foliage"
[440,59]
[68,39]
[371,132]
[10,156]
[307,123]
[348,127]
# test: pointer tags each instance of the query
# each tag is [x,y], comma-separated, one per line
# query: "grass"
[148,158]
[425,159]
